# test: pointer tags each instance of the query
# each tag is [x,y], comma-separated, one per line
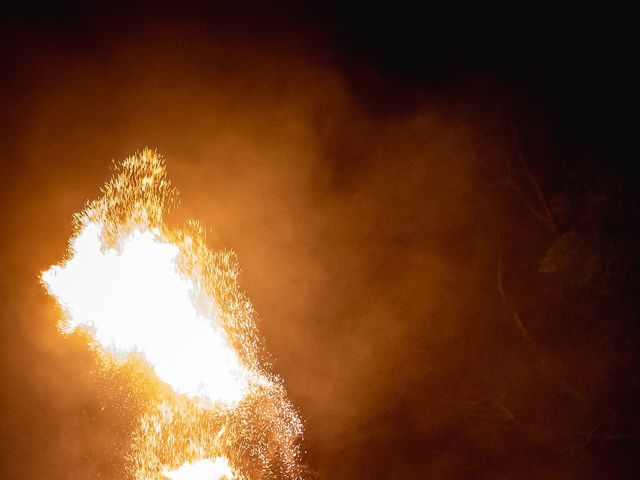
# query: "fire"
[135,299]
[144,290]
[202,470]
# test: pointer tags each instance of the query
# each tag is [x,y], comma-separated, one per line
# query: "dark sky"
[434,211]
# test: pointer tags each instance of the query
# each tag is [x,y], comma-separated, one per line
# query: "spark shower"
[157,298]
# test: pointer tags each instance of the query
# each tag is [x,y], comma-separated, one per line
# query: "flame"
[203,470]
[144,290]
[137,300]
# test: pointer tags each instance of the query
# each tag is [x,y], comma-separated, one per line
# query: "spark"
[143,290]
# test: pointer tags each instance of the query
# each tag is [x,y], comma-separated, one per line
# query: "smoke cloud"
[370,219]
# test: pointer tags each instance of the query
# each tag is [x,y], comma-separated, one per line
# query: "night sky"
[435,212]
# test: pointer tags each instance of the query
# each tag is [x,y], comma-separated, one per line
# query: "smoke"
[368,232]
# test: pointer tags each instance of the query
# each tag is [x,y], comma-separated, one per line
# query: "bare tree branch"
[515,316]
[548,217]
[542,212]
[513,313]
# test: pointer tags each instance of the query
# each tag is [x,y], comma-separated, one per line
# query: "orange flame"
[142,289]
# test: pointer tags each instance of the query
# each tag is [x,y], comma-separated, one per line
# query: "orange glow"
[143,290]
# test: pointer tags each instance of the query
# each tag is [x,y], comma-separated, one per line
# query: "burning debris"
[143,290]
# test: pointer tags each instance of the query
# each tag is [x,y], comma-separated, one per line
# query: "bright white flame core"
[135,299]
[202,470]
[179,306]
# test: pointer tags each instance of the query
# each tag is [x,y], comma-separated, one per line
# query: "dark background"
[435,211]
